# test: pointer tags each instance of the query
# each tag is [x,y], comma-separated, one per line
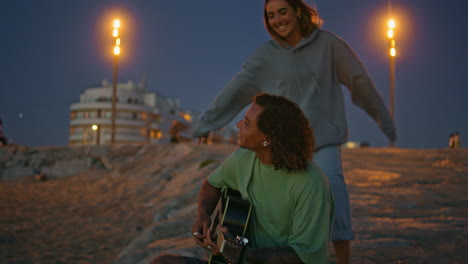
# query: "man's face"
[250,137]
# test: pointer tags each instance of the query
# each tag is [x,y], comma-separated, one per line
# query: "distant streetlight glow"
[116,23]
[115,33]
[94,127]
[391,36]
[390,33]
[116,50]
[392,52]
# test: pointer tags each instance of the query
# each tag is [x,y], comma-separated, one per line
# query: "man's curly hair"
[288,130]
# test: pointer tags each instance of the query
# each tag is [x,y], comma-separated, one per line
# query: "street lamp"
[115,33]
[392,53]
[97,135]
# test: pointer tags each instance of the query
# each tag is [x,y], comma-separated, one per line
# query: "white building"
[142,116]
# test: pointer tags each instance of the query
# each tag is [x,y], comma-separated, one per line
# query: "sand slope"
[409,206]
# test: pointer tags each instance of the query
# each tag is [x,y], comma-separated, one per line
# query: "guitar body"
[233,213]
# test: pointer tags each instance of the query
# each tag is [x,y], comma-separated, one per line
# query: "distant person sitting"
[292,203]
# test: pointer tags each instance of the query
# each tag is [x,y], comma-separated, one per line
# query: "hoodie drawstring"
[303,61]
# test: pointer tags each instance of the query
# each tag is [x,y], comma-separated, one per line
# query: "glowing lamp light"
[390,33]
[391,24]
[116,23]
[392,52]
[188,118]
[94,127]
[351,144]
[115,33]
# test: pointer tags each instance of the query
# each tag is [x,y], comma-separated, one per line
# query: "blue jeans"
[329,160]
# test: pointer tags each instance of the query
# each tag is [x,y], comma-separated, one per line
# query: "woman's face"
[283,19]
[250,137]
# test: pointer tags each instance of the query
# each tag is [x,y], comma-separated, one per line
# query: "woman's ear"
[298,13]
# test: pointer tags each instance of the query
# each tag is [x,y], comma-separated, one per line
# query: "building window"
[186,116]
[156,134]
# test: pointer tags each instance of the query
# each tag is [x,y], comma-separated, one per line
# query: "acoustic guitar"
[233,214]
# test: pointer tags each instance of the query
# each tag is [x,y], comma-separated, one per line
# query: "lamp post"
[95,138]
[115,33]
[85,136]
[95,128]
[392,54]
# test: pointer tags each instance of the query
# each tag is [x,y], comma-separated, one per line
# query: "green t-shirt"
[290,208]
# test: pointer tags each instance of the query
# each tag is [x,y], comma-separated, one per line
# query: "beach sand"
[408,206]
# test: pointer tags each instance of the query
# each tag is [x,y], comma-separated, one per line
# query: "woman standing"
[308,66]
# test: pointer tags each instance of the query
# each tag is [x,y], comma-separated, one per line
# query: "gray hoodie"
[311,75]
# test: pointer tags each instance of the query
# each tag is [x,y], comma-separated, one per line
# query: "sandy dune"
[409,206]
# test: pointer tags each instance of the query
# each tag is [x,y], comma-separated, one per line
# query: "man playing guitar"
[273,170]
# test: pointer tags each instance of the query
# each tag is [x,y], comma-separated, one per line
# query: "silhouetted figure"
[174,132]
[456,140]
[3,140]
[451,142]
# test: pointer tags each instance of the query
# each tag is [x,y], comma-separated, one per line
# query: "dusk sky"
[52,50]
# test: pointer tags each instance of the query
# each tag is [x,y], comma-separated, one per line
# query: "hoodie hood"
[304,41]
